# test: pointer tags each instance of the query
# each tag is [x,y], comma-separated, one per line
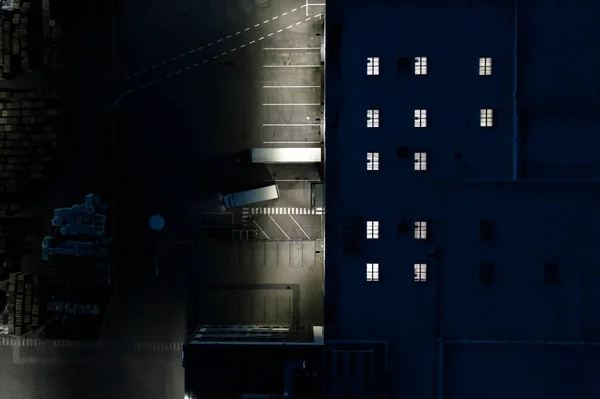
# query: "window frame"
[373,118]
[420,118]
[420,230]
[420,66]
[420,272]
[420,161]
[372,66]
[486,117]
[372,274]
[485,66]
[372,229]
[372,161]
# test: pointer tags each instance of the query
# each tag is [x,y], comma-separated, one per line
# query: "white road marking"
[257,25]
[261,38]
[289,27]
[219,41]
[270,34]
[280,30]
[298,23]
[291,66]
[277,224]
[290,124]
[291,87]
[287,211]
[300,227]
[284,14]
[252,42]
[261,230]
[291,142]
[229,37]
[275,17]
[290,104]
[264,22]
[290,48]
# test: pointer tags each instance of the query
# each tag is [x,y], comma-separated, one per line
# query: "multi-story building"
[461,189]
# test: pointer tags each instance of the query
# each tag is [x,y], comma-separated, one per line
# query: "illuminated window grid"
[372,118]
[372,161]
[420,230]
[372,271]
[420,272]
[420,65]
[372,65]
[486,117]
[420,161]
[485,66]
[420,118]
[372,230]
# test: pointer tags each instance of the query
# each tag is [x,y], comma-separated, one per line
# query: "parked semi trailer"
[280,155]
[245,198]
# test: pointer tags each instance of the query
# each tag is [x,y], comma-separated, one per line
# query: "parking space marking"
[261,230]
[277,224]
[287,211]
[291,66]
[291,87]
[291,104]
[292,142]
[146,85]
[300,227]
[185,53]
[291,48]
[290,124]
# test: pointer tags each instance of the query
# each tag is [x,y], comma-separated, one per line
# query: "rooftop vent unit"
[486,273]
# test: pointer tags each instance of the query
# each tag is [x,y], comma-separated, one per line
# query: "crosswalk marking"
[282,211]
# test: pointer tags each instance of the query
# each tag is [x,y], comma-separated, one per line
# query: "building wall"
[534,223]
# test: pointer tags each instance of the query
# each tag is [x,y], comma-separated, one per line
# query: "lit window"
[420,272]
[372,65]
[420,118]
[420,230]
[372,161]
[420,65]
[420,161]
[486,118]
[485,66]
[372,271]
[372,230]
[372,118]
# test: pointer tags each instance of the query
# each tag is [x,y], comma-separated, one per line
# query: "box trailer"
[280,155]
[245,198]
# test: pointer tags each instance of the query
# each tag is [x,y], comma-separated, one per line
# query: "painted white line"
[284,14]
[270,34]
[297,180]
[291,142]
[228,37]
[261,38]
[316,4]
[261,230]
[264,22]
[275,17]
[257,25]
[277,224]
[290,48]
[252,42]
[290,124]
[280,30]
[289,27]
[291,66]
[298,23]
[300,227]
[306,5]
[291,87]
[290,104]
[219,41]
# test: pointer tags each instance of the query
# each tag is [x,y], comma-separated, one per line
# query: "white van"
[245,198]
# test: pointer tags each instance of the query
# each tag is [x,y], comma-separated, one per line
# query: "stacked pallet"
[52,34]
[29,122]
[24,302]
[16,31]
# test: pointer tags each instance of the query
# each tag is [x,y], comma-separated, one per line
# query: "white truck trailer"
[245,198]
[280,155]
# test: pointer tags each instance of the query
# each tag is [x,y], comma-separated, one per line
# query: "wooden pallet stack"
[29,122]
[52,34]
[24,298]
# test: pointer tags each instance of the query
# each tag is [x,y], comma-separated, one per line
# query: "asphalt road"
[175,144]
